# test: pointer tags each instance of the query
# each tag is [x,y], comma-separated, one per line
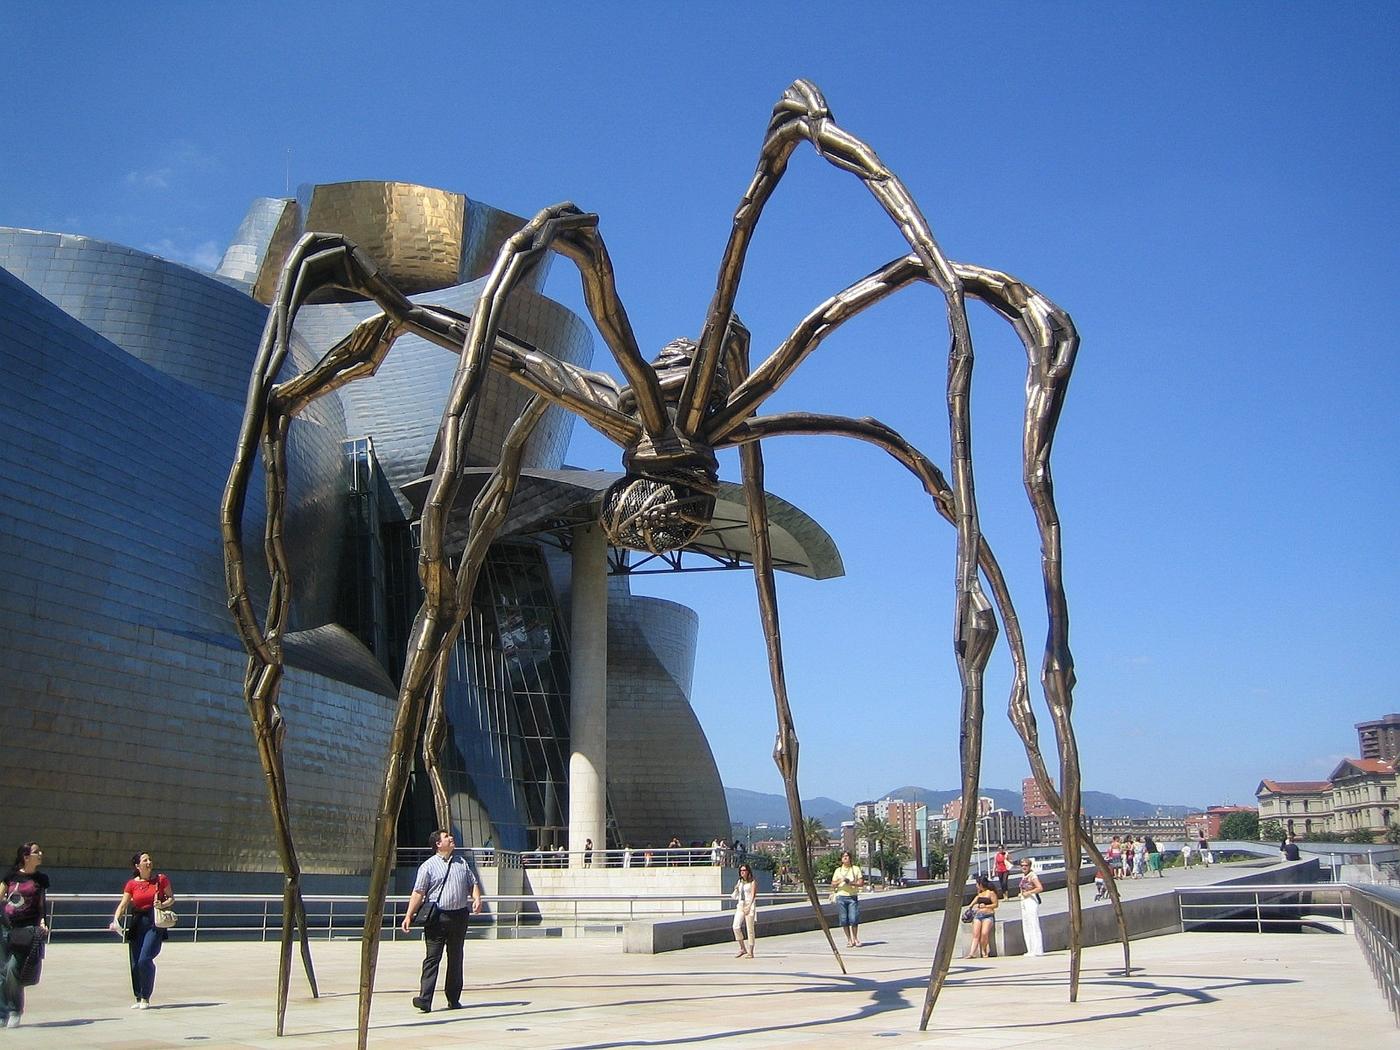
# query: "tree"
[1360,837]
[825,865]
[817,835]
[890,861]
[1271,831]
[937,863]
[1240,826]
[879,834]
[1392,834]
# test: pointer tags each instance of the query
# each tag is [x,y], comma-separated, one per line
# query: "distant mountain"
[1096,803]
[757,807]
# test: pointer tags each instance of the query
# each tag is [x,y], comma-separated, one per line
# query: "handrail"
[1260,906]
[1377,913]
[258,916]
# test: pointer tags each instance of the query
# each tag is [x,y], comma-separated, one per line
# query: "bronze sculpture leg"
[785,746]
[267,414]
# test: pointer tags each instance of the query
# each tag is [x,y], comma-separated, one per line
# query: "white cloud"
[203,256]
[171,165]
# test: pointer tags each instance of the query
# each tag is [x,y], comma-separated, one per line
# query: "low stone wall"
[689,889]
[1147,916]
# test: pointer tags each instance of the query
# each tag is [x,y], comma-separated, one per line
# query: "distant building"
[1380,739]
[1302,807]
[1033,802]
[1208,823]
[1363,795]
[953,809]
[1163,829]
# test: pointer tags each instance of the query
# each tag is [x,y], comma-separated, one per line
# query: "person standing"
[1203,848]
[1185,853]
[1154,855]
[1030,890]
[143,893]
[25,928]
[846,882]
[1002,867]
[1115,857]
[745,910]
[984,918]
[448,883]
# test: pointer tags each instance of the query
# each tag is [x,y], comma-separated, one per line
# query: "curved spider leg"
[802,113]
[562,226]
[936,485]
[315,261]
[785,743]
[488,511]
[1051,342]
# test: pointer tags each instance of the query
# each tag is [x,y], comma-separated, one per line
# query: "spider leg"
[488,511]
[802,113]
[267,414]
[1051,342]
[785,744]
[444,597]
[936,485]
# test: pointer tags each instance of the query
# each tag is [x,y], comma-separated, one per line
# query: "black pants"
[447,931]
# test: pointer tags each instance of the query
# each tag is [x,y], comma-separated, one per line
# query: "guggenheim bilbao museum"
[121,676]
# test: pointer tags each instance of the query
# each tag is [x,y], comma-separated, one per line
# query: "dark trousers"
[143,943]
[447,931]
[11,991]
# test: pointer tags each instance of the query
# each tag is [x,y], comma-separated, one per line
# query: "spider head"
[657,514]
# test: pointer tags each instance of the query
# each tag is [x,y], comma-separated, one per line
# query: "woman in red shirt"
[143,894]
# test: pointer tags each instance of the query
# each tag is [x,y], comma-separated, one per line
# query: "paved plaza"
[1237,991]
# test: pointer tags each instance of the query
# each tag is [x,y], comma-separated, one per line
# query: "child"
[1101,890]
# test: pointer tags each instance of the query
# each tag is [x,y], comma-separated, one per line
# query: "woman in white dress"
[1030,891]
[745,910]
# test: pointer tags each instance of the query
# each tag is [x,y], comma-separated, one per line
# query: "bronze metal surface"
[669,420]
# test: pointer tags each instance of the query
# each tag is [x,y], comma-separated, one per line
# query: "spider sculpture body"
[669,418]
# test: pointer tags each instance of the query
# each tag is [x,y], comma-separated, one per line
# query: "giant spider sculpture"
[669,419]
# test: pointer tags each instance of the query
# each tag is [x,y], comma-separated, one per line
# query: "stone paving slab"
[1241,991]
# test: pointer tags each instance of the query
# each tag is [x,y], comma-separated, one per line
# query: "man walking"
[450,886]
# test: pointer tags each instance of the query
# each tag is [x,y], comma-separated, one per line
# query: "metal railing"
[1377,925]
[480,856]
[632,857]
[1281,908]
[256,916]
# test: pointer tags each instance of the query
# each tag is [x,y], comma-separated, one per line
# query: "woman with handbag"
[24,929]
[984,918]
[143,895]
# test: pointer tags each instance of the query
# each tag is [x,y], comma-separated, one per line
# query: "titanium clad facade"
[120,683]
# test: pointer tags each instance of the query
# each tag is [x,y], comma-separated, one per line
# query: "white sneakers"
[140,1004]
[12,1021]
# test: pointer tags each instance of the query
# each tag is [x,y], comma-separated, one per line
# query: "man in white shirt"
[447,882]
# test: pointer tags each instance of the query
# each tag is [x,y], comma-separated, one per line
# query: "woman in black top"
[25,926]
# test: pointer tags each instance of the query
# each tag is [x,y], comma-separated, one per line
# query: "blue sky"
[1210,190]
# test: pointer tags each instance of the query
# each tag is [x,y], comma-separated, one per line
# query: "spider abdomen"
[654,514]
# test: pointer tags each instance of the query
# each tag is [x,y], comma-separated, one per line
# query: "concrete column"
[588,701]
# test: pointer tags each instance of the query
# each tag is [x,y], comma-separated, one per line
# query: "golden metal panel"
[414,233]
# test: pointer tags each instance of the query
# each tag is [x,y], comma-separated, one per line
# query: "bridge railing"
[1377,915]
[1262,908]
